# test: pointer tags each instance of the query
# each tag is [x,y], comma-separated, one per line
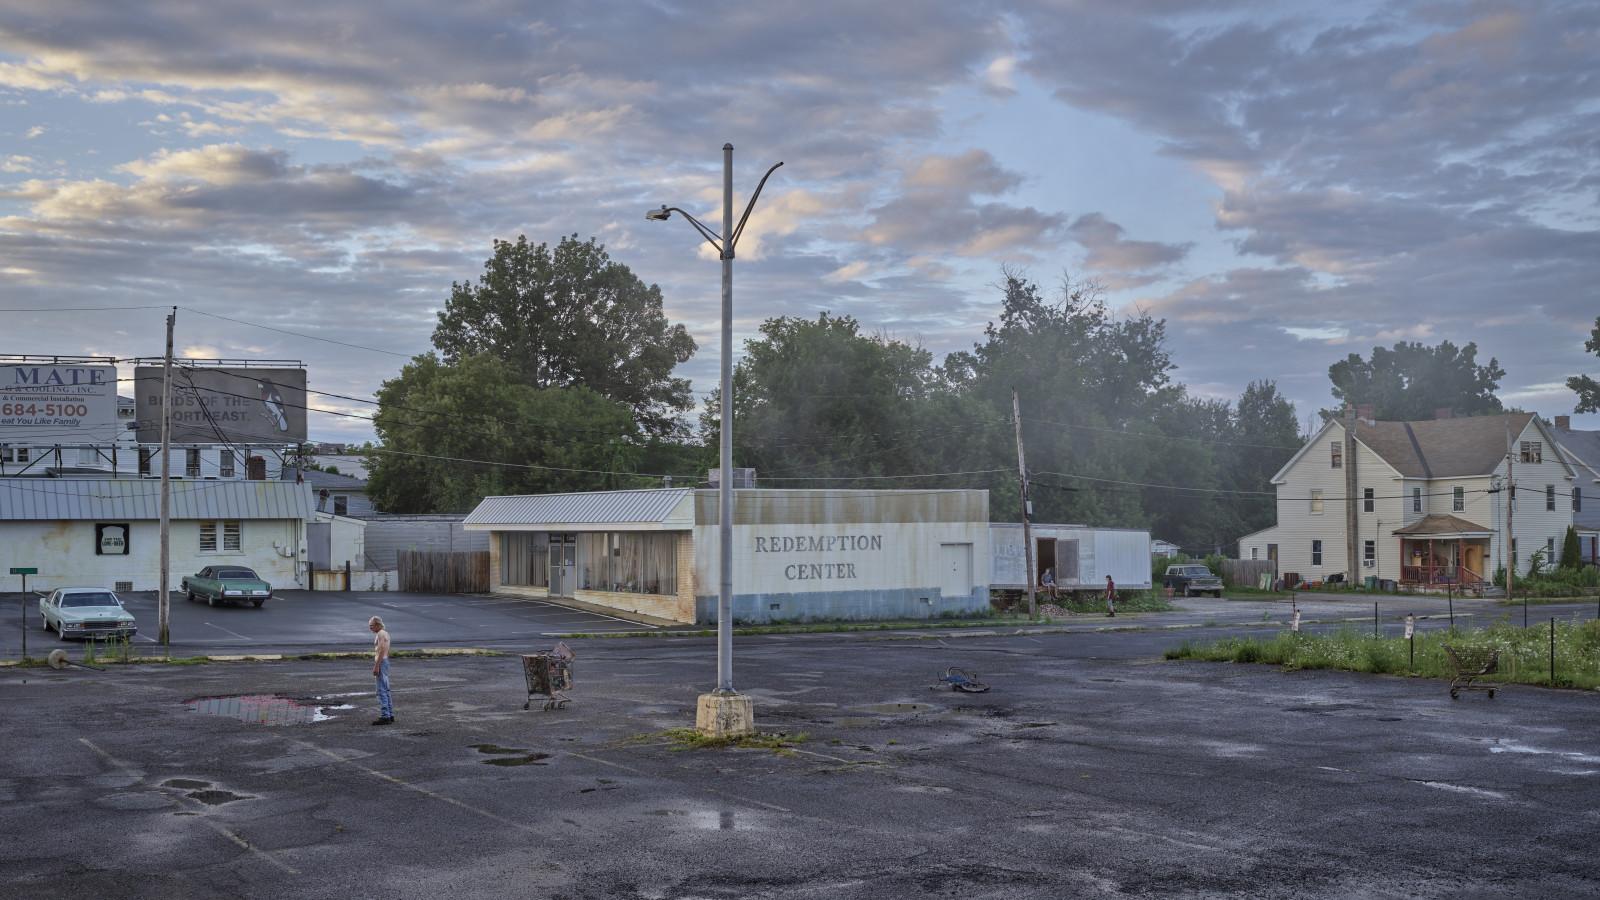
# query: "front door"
[563,564]
[955,575]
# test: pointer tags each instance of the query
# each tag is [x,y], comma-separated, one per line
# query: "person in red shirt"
[1111,596]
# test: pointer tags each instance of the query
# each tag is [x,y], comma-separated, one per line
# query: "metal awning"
[645,510]
[127,499]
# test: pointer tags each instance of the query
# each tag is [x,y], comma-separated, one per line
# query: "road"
[1092,769]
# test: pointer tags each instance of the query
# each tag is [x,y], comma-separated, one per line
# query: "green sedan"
[86,613]
[226,584]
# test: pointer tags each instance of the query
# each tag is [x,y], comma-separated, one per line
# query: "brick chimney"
[1564,423]
[1444,412]
[1364,413]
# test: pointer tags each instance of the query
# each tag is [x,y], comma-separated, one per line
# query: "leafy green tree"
[815,398]
[1571,550]
[435,417]
[1413,381]
[1265,434]
[569,316]
[1587,388]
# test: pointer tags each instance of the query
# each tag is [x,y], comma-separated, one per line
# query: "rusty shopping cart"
[1472,664]
[549,676]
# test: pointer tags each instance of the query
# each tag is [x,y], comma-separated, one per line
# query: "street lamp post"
[724,712]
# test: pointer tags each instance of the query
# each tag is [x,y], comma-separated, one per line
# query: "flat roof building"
[798,554]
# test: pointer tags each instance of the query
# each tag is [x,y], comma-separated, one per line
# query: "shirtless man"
[380,670]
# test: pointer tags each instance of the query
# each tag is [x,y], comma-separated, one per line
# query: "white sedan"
[86,612]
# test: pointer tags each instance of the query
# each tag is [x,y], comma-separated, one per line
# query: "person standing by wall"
[1111,596]
[380,670]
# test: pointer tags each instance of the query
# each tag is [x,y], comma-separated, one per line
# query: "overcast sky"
[1285,184]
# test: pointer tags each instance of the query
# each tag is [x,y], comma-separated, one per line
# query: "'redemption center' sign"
[58,404]
[215,405]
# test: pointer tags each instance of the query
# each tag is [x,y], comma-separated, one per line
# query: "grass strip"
[1524,652]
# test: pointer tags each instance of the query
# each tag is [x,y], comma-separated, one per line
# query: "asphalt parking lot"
[1090,769]
[327,620]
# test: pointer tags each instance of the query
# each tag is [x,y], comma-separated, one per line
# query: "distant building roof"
[1441,525]
[1583,449]
[1444,448]
[109,499]
[622,509]
[329,480]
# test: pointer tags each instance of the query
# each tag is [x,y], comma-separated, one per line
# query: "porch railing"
[1442,575]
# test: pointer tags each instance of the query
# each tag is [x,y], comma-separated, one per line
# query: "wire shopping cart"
[549,676]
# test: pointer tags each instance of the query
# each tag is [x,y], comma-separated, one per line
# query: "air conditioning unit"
[1369,564]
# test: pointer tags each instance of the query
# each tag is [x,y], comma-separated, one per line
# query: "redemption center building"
[798,554]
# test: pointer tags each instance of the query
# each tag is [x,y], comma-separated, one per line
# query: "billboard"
[58,404]
[214,405]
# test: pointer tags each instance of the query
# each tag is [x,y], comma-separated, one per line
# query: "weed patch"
[1524,652]
[779,742]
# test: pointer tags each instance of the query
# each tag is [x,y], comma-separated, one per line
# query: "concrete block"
[719,715]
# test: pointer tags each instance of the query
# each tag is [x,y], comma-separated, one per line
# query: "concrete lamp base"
[720,715]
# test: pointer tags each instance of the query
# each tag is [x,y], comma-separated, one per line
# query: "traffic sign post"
[24,571]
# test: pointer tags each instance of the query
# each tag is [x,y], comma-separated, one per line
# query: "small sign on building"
[111,539]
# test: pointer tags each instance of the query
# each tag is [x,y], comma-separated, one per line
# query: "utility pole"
[1352,513]
[163,598]
[1027,507]
[1511,509]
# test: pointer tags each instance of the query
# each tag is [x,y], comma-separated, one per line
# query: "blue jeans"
[385,705]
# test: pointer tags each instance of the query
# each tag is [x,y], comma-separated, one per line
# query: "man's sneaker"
[383,720]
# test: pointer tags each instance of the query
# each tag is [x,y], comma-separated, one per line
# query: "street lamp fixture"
[724,712]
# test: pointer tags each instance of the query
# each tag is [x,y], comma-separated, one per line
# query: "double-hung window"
[225,464]
[1369,551]
[1550,498]
[1458,500]
[1336,454]
[1416,499]
[191,462]
[1366,499]
[1316,553]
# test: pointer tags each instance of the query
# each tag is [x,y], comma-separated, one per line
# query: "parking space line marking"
[228,833]
[421,790]
[234,633]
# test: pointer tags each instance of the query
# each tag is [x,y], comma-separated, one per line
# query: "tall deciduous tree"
[434,417]
[1587,388]
[1414,381]
[570,316]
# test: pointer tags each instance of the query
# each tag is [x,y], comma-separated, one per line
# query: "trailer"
[1082,557]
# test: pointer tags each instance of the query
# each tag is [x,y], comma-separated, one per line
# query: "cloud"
[15,163]
[937,211]
[33,132]
[1109,251]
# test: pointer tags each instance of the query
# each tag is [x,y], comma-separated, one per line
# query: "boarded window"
[1316,503]
[1533,451]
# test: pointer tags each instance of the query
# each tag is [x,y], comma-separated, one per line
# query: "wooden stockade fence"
[1246,572]
[440,571]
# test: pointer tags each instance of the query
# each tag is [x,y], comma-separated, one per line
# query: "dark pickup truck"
[1190,580]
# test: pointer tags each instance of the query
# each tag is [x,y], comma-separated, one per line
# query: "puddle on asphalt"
[266,709]
[897,708]
[510,756]
[709,819]
[1037,724]
[216,798]
[133,801]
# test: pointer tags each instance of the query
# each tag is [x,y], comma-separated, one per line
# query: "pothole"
[897,708]
[265,709]
[510,756]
